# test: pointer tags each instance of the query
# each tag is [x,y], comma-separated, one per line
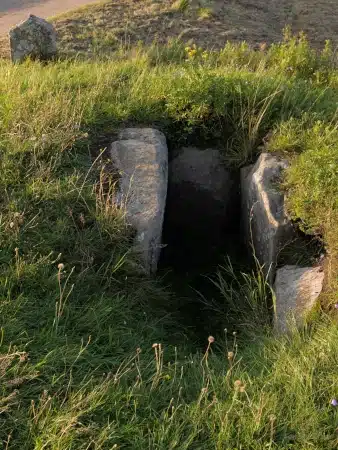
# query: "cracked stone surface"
[264,219]
[296,289]
[141,158]
[34,38]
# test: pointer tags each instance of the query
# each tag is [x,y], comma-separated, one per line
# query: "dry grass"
[128,21]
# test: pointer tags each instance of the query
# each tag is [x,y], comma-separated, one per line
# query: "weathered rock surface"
[204,170]
[201,190]
[141,158]
[264,220]
[34,38]
[296,289]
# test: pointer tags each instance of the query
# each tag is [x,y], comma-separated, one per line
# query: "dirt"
[14,11]
[108,24]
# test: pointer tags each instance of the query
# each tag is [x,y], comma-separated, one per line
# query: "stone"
[201,190]
[34,38]
[266,226]
[296,291]
[204,169]
[140,155]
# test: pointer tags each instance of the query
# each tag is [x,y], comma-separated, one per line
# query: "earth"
[208,23]
[13,12]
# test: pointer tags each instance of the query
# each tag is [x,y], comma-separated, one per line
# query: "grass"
[90,354]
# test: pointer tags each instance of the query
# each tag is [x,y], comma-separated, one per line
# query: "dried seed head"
[23,357]
[237,384]
[211,339]
[61,267]
[231,356]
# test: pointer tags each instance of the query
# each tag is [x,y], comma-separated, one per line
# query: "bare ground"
[208,23]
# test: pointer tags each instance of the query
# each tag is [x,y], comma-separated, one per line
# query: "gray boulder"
[141,158]
[296,291]
[264,221]
[34,38]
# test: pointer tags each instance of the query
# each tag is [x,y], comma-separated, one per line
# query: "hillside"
[208,23]
[94,354]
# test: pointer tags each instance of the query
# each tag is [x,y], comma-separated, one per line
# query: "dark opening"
[199,232]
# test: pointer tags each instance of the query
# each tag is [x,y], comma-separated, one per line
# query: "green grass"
[79,368]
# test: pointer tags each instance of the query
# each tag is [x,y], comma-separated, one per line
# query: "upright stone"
[34,38]
[141,158]
[265,223]
[296,292]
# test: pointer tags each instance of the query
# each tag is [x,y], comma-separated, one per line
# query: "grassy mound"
[90,356]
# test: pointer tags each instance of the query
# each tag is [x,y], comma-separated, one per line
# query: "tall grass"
[87,358]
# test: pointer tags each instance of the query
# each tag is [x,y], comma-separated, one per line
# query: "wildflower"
[237,384]
[334,402]
[211,339]
[336,305]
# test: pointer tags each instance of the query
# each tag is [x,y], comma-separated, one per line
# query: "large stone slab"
[141,158]
[34,38]
[264,221]
[296,290]
[201,190]
[204,170]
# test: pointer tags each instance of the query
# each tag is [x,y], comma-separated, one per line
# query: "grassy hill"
[92,355]
[209,23]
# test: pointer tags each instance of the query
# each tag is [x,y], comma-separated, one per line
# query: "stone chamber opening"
[202,227]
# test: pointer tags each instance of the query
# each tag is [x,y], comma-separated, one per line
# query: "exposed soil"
[13,11]
[208,23]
